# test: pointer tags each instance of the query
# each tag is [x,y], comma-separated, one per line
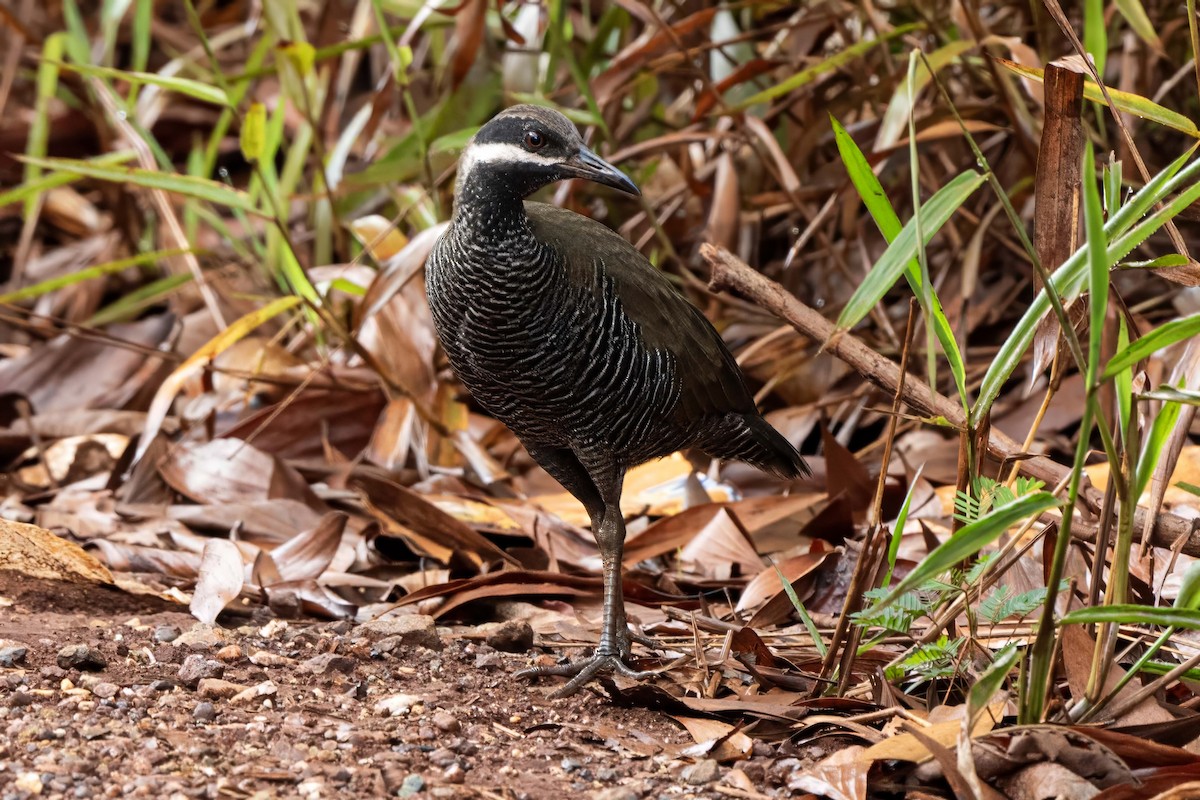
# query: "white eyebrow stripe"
[492,152]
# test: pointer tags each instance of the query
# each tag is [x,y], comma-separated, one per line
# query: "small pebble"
[413,629]
[204,712]
[446,722]
[702,772]
[327,663]
[196,668]
[12,655]
[229,653]
[166,633]
[454,773]
[412,784]
[105,690]
[80,656]
[217,689]
[617,793]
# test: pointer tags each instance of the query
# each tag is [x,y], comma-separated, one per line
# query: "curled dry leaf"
[232,471]
[221,570]
[307,555]
[715,739]
[38,553]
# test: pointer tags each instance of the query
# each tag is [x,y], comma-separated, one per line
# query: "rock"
[327,663]
[29,782]
[261,658]
[217,689]
[204,712]
[264,689]
[443,757]
[414,630]
[105,690]
[702,772]
[411,785]
[446,722]
[514,636]
[229,653]
[396,704]
[80,656]
[617,793]
[12,654]
[454,774]
[196,668]
[166,633]
[202,637]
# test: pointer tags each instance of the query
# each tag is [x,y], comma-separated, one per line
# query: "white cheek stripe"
[492,152]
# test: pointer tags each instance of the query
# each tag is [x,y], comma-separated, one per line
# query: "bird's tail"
[750,438]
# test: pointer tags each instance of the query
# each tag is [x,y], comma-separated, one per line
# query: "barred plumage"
[563,331]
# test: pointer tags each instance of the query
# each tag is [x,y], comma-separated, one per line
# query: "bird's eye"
[534,140]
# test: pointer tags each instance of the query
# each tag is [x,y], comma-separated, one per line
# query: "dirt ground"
[156,705]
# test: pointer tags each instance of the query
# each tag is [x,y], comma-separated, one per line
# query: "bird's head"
[527,147]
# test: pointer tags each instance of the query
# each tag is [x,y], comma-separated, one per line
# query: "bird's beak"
[589,166]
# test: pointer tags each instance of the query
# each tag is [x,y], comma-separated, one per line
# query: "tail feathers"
[750,438]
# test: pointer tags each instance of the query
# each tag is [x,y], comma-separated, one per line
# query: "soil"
[320,710]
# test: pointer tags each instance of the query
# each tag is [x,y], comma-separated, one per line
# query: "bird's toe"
[584,670]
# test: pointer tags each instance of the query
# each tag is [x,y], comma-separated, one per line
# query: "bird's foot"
[583,670]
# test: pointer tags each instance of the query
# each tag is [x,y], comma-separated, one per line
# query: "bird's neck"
[491,215]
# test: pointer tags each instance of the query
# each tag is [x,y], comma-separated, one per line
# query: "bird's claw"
[584,670]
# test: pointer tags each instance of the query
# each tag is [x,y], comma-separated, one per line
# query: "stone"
[204,712]
[617,793]
[411,785]
[82,657]
[166,633]
[414,630]
[702,772]
[327,663]
[514,636]
[217,689]
[202,637]
[11,655]
[196,668]
[229,653]
[105,690]
[446,722]
[454,774]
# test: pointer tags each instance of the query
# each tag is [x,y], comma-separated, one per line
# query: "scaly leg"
[615,637]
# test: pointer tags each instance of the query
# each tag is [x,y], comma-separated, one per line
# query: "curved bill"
[586,164]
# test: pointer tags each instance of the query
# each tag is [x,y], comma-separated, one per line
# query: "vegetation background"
[951,243]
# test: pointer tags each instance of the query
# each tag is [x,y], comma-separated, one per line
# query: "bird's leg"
[615,638]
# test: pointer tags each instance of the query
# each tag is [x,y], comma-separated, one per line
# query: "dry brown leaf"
[307,555]
[38,553]
[232,471]
[840,776]
[715,739]
[221,579]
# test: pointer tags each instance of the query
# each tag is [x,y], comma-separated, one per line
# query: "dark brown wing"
[711,381]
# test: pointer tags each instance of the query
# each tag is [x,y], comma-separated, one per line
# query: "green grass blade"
[1135,14]
[132,303]
[55,179]
[88,273]
[1069,279]
[186,185]
[837,61]
[813,631]
[39,128]
[196,90]
[903,249]
[1134,614]
[1160,431]
[875,199]
[968,541]
[1097,256]
[1164,335]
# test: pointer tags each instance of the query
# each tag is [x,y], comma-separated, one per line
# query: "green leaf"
[1133,614]
[1135,15]
[903,249]
[987,684]
[1127,102]
[968,541]
[1170,260]
[300,55]
[131,303]
[1164,335]
[39,128]
[185,86]
[1097,250]
[97,271]
[187,185]
[253,138]
[1160,431]
[813,631]
[1068,280]
[837,61]
[1095,35]
[55,179]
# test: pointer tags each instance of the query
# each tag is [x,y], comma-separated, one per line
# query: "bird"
[562,330]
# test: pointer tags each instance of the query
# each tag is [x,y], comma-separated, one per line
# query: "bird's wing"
[711,381]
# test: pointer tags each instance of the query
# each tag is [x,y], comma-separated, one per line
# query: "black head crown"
[527,147]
